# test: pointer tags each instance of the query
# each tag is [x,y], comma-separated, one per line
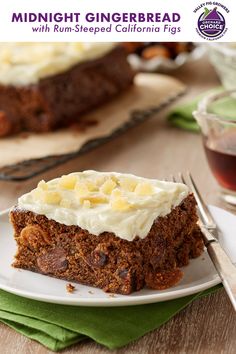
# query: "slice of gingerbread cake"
[118,232]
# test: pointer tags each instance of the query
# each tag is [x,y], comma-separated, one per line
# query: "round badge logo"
[211,23]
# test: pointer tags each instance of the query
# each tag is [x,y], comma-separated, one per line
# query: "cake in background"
[45,86]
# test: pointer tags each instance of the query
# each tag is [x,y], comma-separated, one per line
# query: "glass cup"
[216,116]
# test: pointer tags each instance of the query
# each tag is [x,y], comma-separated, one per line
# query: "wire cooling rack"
[30,168]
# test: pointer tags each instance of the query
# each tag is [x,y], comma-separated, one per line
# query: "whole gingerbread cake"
[114,231]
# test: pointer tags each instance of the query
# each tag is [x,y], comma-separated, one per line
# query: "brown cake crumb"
[70,288]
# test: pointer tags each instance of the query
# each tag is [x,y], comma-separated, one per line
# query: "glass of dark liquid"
[216,116]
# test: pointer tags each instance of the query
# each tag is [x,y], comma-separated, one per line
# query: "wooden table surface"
[153,149]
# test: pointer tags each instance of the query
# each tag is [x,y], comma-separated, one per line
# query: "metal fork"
[221,261]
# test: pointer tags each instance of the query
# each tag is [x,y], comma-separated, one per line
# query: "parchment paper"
[149,90]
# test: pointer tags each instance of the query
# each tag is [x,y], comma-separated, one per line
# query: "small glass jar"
[216,116]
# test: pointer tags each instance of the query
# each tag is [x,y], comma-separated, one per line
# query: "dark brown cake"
[107,261]
[60,100]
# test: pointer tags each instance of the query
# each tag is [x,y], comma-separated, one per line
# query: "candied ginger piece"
[87,203]
[115,179]
[43,185]
[144,188]
[81,189]
[120,204]
[92,187]
[65,203]
[116,193]
[67,182]
[128,184]
[100,180]
[51,197]
[108,186]
[94,199]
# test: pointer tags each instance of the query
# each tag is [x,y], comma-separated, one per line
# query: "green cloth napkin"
[59,326]
[181,115]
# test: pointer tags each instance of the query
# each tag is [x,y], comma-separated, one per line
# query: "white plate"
[198,276]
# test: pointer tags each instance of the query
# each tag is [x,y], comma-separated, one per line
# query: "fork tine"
[182,178]
[178,178]
[203,209]
[172,178]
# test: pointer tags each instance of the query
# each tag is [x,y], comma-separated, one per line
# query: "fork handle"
[225,268]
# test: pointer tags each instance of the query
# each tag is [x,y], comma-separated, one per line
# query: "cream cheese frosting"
[123,204]
[26,63]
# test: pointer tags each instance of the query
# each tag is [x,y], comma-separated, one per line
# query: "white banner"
[126,20]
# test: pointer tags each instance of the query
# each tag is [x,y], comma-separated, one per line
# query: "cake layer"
[98,202]
[109,262]
[59,100]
